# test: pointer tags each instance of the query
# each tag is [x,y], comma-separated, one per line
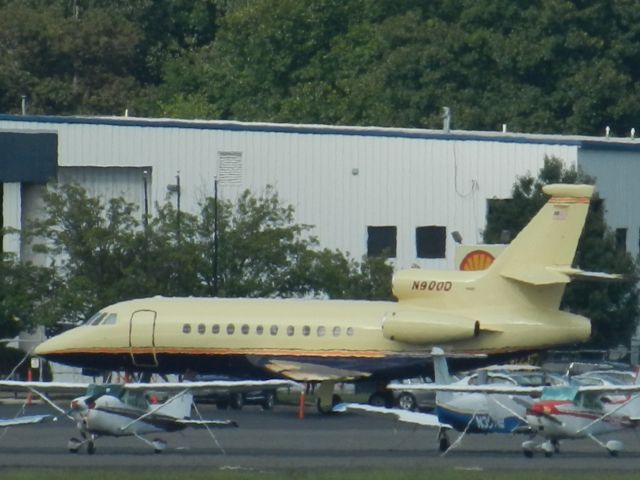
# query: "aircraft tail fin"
[440,367]
[542,253]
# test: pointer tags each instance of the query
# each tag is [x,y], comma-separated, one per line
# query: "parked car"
[408,399]
[224,399]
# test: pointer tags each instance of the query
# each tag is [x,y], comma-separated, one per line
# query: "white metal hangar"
[365,189]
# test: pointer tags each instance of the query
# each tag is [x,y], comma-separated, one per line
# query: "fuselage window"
[291,330]
[259,329]
[350,331]
[245,329]
[336,331]
[231,328]
[274,329]
[215,329]
[186,328]
[110,319]
[201,328]
[306,330]
[321,331]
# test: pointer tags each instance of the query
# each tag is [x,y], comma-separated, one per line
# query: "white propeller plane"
[131,409]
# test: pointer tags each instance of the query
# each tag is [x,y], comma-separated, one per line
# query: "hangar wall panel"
[341,183]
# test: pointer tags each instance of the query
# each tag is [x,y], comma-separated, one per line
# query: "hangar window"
[291,330]
[273,330]
[215,329]
[231,328]
[336,331]
[381,241]
[431,241]
[201,328]
[186,328]
[259,329]
[321,331]
[621,239]
[245,329]
[306,330]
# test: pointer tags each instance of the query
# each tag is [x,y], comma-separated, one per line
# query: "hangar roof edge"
[580,141]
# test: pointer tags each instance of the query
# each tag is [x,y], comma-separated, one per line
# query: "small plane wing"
[227,385]
[47,387]
[26,420]
[489,388]
[417,418]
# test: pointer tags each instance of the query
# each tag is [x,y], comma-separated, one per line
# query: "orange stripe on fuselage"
[225,351]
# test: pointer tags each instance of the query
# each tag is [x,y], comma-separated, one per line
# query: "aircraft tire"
[528,453]
[335,400]
[91,448]
[443,444]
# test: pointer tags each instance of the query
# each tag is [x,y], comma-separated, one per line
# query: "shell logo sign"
[476,260]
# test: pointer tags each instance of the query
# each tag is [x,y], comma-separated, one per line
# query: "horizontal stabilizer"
[206,423]
[417,418]
[27,420]
[553,275]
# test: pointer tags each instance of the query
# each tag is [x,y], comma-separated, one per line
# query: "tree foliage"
[549,66]
[612,306]
[106,254]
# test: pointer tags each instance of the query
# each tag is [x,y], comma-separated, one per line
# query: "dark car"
[236,400]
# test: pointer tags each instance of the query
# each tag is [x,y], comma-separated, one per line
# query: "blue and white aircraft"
[462,405]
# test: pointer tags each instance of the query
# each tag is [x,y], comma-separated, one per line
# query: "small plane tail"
[440,367]
[179,407]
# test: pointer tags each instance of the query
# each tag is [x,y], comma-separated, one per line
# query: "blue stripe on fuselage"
[481,423]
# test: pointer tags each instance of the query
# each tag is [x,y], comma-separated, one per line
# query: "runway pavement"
[277,439]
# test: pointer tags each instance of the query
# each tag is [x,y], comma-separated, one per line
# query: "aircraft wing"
[226,385]
[46,387]
[418,418]
[489,388]
[26,420]
[311,372]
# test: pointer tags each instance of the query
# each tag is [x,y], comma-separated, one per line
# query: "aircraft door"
[142,338]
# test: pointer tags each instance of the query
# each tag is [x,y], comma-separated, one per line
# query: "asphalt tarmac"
[278,439]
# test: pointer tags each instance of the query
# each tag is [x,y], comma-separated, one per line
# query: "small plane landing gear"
[159,445]
[528,448]
[547,448]
[443,441]
[326,398]
[91,447]
[74,445]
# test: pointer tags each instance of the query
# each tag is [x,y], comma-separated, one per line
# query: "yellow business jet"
[511,307]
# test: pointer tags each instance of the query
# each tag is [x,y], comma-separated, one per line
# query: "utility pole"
[215,236]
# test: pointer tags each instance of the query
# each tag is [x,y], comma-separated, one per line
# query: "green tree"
[25,290]
[612,306]
[104,253]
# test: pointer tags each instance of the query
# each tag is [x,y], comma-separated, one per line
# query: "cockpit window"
[110,319]
[96,319]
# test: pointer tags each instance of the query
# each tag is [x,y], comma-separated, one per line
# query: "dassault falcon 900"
[513,306]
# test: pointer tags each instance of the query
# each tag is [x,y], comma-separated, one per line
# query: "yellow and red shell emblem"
[476,260]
